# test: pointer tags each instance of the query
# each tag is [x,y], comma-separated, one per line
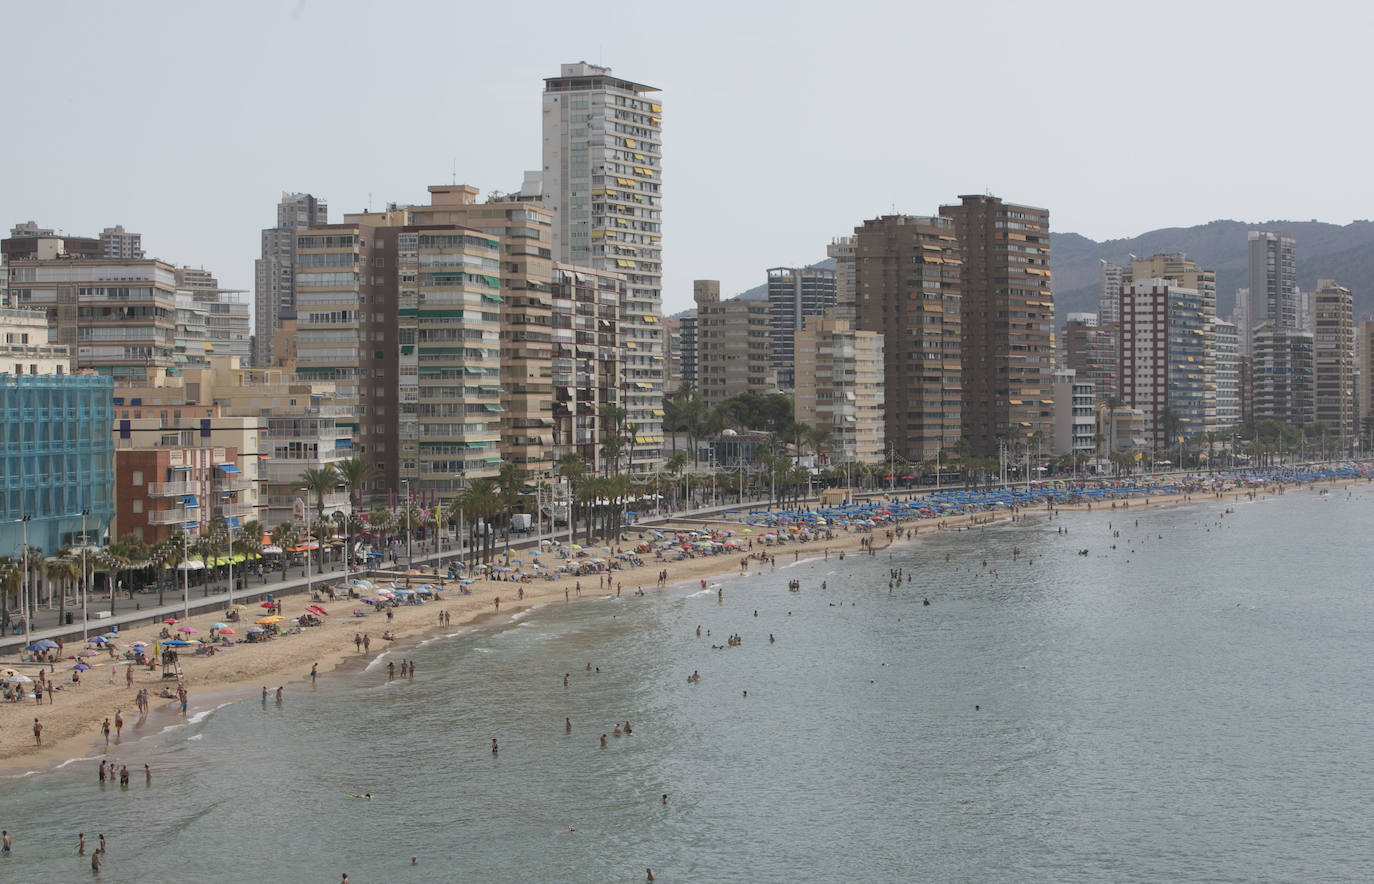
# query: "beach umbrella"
[171,621]
[228,631]
[45,644]
[267,605]
[19,679]
[176,643]
[187,629]
[81,667]
[256,629]
[369,601]
[218,625]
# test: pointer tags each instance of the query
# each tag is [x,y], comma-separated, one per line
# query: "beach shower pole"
[229,527]
[24,592]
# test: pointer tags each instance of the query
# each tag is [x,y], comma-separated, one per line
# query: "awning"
[491,407]
[228,468]
[233,521]
[189,501]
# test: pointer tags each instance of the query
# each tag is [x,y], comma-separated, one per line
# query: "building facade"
[1091,352]
[843,251]
[909,291]
[116,242]
[839,389]
[1282,375]
[56,459]
[734,345]
[1226,371]
[1333,342]
[586,359]
[794,293]
[1109,296]
[1365,380]
[1273,293]
[1007,321]
[602,176]
[1163,359]
[1075,422]
[274,273]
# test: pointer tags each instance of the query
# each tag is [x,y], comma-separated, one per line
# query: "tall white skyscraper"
[1109,299]
[602,174]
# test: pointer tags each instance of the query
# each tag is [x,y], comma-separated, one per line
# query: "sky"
[784,124]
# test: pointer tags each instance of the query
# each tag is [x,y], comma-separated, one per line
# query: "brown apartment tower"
[907,288]
[1008,319]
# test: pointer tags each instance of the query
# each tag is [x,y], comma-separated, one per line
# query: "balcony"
[174,516]
[172,489]
[237,509]
[234,484]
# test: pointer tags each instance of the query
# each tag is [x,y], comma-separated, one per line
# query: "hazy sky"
[784,124]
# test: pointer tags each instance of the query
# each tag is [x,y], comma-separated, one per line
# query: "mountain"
[1325,251]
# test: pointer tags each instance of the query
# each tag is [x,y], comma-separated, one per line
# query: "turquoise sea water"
[1192,705]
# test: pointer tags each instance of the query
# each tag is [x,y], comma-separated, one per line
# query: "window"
[137,478]
[137,505]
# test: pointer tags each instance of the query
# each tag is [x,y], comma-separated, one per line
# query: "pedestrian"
[81,844]
[119,724]
[37,732]
[314,671]
[104,729]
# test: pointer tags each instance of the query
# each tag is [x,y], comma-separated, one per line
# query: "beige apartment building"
[734,343]
[839,387]
[587,357]
[298,423]
[24,347]
[1364,395]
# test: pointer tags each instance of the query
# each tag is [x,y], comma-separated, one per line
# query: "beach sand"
[71,724]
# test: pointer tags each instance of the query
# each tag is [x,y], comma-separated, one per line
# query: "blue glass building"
[56,459]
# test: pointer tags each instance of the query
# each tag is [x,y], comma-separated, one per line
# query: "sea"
[1179,694]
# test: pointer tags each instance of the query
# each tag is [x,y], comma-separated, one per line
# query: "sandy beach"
[72,722]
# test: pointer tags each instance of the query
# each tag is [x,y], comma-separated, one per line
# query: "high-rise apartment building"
[1282,375]
[1226,371]
[689,347]
[586,360]
[1162,358]
[274,293]
[795,293]
[1075,422]
[734,353]
[840,387]
[116,242]
[602,175]
[524,231]
[1273,292]
[672,352]
[908,277]
[1333,341]
[1109,299]
[1007,318]
[844,252]
[1090,351]
[1186,274]
[1365,379]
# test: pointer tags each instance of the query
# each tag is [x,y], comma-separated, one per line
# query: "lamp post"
[84,590]
[229,527]
[24,593]
[348,518]
[185,575]
[406,483]
[305,506]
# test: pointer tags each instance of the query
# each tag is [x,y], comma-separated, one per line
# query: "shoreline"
[72,722]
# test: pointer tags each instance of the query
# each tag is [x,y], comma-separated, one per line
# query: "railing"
[172,489]
[238,509]
[174,516]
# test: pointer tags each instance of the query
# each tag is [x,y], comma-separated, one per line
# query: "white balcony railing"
[172,489]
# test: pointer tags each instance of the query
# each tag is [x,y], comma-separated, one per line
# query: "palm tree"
[510,489]
[173,552]
[9,585]
[612,436]
[319,483]
[61,570]
[572,467]
[356,473]
[481,502]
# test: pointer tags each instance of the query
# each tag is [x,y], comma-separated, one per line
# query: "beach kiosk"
[837,497]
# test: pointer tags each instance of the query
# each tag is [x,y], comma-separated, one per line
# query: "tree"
[62,571]
[612,436]
[481,502]
[319,482]
[356,473]
[573,468]
[510,489]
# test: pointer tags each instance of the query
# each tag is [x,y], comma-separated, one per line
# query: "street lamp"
[305,507]
[406,483]
[24,593]
[348,537]
[229,527]
[185,574]
[84,588]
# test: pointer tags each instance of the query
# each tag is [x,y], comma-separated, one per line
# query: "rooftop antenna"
[369,201]
[455,171]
